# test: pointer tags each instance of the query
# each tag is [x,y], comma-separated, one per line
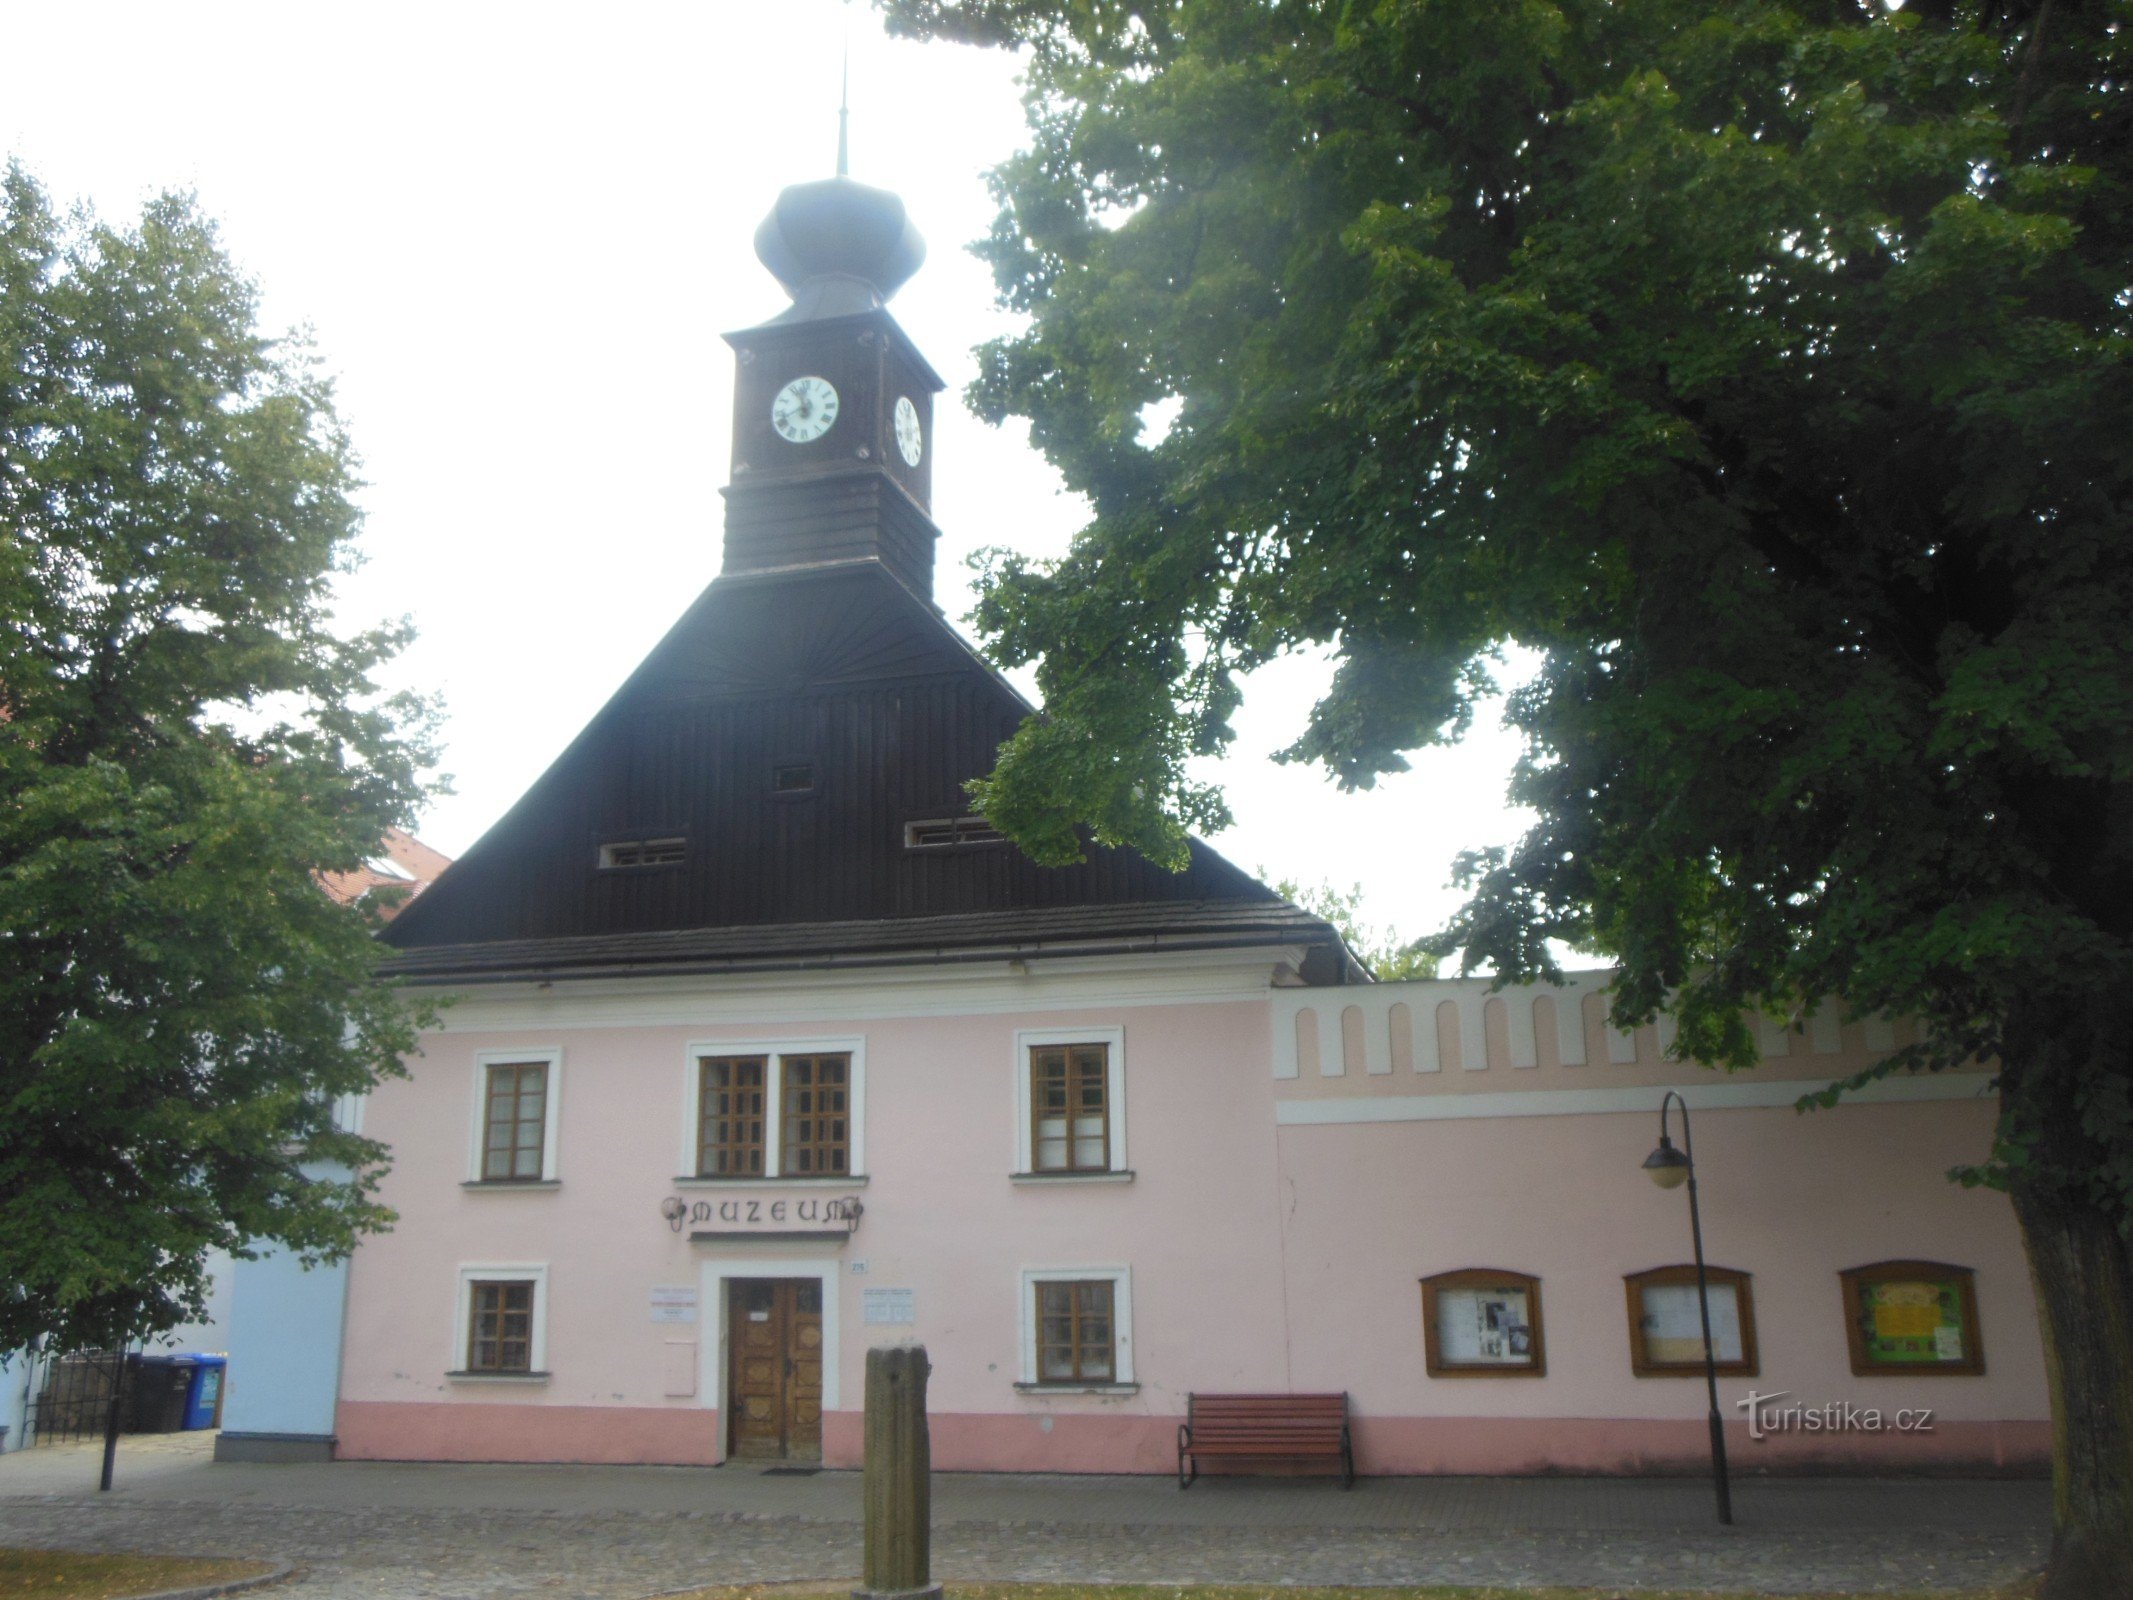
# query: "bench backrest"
[1297,1418]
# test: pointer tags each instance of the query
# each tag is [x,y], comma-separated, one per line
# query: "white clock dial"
[804,409]
[908,440]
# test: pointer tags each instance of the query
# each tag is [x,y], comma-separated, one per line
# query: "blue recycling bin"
[203,1396]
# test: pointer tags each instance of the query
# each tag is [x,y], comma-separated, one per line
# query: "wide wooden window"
[735,1115]
[1666,1333]
[1076,1332]
[1912,1317]
[815,1116]
[1482,1322]
[500,1325]
[515,1122]
[1070,1108]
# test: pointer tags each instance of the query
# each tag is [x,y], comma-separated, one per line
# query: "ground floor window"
[500,1323]
[1077,1326]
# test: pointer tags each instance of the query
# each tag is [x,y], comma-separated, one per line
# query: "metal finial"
[844,101]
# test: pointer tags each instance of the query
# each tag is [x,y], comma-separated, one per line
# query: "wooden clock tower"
[833,404]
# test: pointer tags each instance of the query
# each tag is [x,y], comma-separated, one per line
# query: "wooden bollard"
[899,1479]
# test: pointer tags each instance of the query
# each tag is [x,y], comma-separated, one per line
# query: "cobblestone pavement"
[384,1532]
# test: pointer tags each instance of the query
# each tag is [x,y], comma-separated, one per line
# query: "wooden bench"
[1265,1427]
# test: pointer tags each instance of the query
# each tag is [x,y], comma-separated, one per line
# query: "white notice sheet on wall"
[1484,1327]
[1673,1333]
[890,1307]
[673,1304]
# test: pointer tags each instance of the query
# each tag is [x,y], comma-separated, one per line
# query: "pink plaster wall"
[1263,1258]
[1791,1199]
[941,1219]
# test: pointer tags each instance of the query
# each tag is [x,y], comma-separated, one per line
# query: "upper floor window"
[515,1116]
[1666,1329]
[1912,1317]
[1070,1102]
[791,1111]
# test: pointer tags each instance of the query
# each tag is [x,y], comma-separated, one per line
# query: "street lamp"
[1669,1168]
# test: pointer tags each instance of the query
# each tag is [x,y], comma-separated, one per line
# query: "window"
[514,1140]
[1074,1332]
[942,833]
[1070,1104]
[621,853]
[786,1112]
[1070,1110]
[817,1121]
[1076,1328]
[1666,1332]
[1912,1317]
[793,778]
[1482,1322]
[500,1328]
[735,1117]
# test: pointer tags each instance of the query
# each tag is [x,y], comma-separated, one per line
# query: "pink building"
[768,1051]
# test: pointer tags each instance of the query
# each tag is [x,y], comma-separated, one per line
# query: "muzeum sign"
[734,1215]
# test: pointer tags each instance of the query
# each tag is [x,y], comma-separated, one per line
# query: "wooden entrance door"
[774,1369]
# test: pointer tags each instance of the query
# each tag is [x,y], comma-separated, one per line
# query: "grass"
[1262,1591]
[66,1575]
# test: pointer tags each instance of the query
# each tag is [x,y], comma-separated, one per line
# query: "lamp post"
[1668,1167]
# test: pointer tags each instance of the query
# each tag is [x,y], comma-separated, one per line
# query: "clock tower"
[833,404]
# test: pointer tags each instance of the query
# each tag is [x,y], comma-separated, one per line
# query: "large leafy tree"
[185,745]
[1763,365]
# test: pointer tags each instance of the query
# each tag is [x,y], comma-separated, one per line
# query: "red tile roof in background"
[403,862]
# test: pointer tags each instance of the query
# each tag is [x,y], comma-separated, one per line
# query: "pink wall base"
[445,1430]
[1390,1446]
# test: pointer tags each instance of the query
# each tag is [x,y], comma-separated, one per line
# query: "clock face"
[804,410]
[908,441]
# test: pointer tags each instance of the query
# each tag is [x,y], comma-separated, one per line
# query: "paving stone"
[386,1532]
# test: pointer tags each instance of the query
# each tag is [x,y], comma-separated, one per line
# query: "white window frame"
[551,1117]
[1121,1281]
[1114,1039]
[471,1273]
[774,1051]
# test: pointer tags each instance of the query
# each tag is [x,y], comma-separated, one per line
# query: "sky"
[515,233]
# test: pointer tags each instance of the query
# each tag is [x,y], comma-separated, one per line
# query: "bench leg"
[1185,1455]
[1347,1463]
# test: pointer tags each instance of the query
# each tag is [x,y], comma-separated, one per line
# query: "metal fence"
[71,1397]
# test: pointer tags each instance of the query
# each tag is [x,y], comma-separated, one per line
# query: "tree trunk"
[2084,1285]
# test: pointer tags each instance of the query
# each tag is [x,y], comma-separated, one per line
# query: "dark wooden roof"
[1029,935]
[843,669]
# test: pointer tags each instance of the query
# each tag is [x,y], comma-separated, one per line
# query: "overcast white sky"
[517,232]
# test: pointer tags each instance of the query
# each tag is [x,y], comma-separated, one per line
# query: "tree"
[1763,365]
[185,745]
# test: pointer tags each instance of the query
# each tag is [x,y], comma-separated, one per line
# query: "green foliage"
[1381,951]
[1763,364]
[185,744]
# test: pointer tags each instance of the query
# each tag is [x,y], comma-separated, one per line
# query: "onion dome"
[838,247]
